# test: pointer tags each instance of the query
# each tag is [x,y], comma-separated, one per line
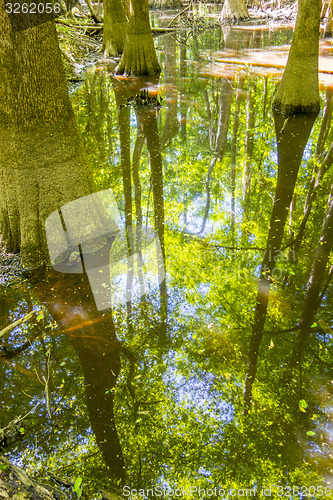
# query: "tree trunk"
[221,141]
[147,121]
[234,10]
[298,91]
[325,124]
[171,124]
[292,136]
[15,483]
[314,187]
[92,334]
[115,27]
[328,25]
[92,12]
[124,117]
[317,274]
[249,142]
[42,160]
[139,55]
[183,98]
[234,156]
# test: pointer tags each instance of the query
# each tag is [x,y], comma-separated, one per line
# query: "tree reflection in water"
[164,376]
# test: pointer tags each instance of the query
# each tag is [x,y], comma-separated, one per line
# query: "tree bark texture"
[139,55]
[234,10]
[42,160]
[115,27]
[92,334]
[298,91]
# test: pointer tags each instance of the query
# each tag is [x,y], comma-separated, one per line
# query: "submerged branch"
[11,327]
[17,420]
[178,15]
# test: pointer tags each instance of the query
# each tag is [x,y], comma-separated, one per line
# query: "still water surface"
[150,393]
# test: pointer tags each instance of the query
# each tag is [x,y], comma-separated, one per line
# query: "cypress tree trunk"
[42,161]
[139,55]
[317,276]
[92,334]
[292,136]
[115,27]
[171,124]
[234,10]
[298,91]
[221,142]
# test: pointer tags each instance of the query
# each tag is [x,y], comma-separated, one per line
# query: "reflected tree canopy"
[220,375]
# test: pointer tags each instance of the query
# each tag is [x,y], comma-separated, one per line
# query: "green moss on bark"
[298,92]
[115,27]
[139,56]
[42,160]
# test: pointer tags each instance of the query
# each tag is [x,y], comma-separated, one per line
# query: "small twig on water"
[45,381]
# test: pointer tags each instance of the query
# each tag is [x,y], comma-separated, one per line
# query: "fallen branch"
[45,381]
[11,327]
[98,26]
[177,15]
[17,420]
[162,30]
[92,12]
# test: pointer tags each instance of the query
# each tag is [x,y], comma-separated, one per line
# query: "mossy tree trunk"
[234,10]
[298,91]
[42,160]
[115,27]
[139,55]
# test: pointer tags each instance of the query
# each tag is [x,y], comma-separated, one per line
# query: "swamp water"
[150,395]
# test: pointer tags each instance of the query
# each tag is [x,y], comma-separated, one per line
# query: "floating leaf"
[310,433]
[77,486]
[40,316]
[302,405]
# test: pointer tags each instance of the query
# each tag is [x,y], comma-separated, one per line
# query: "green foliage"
[78,486]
